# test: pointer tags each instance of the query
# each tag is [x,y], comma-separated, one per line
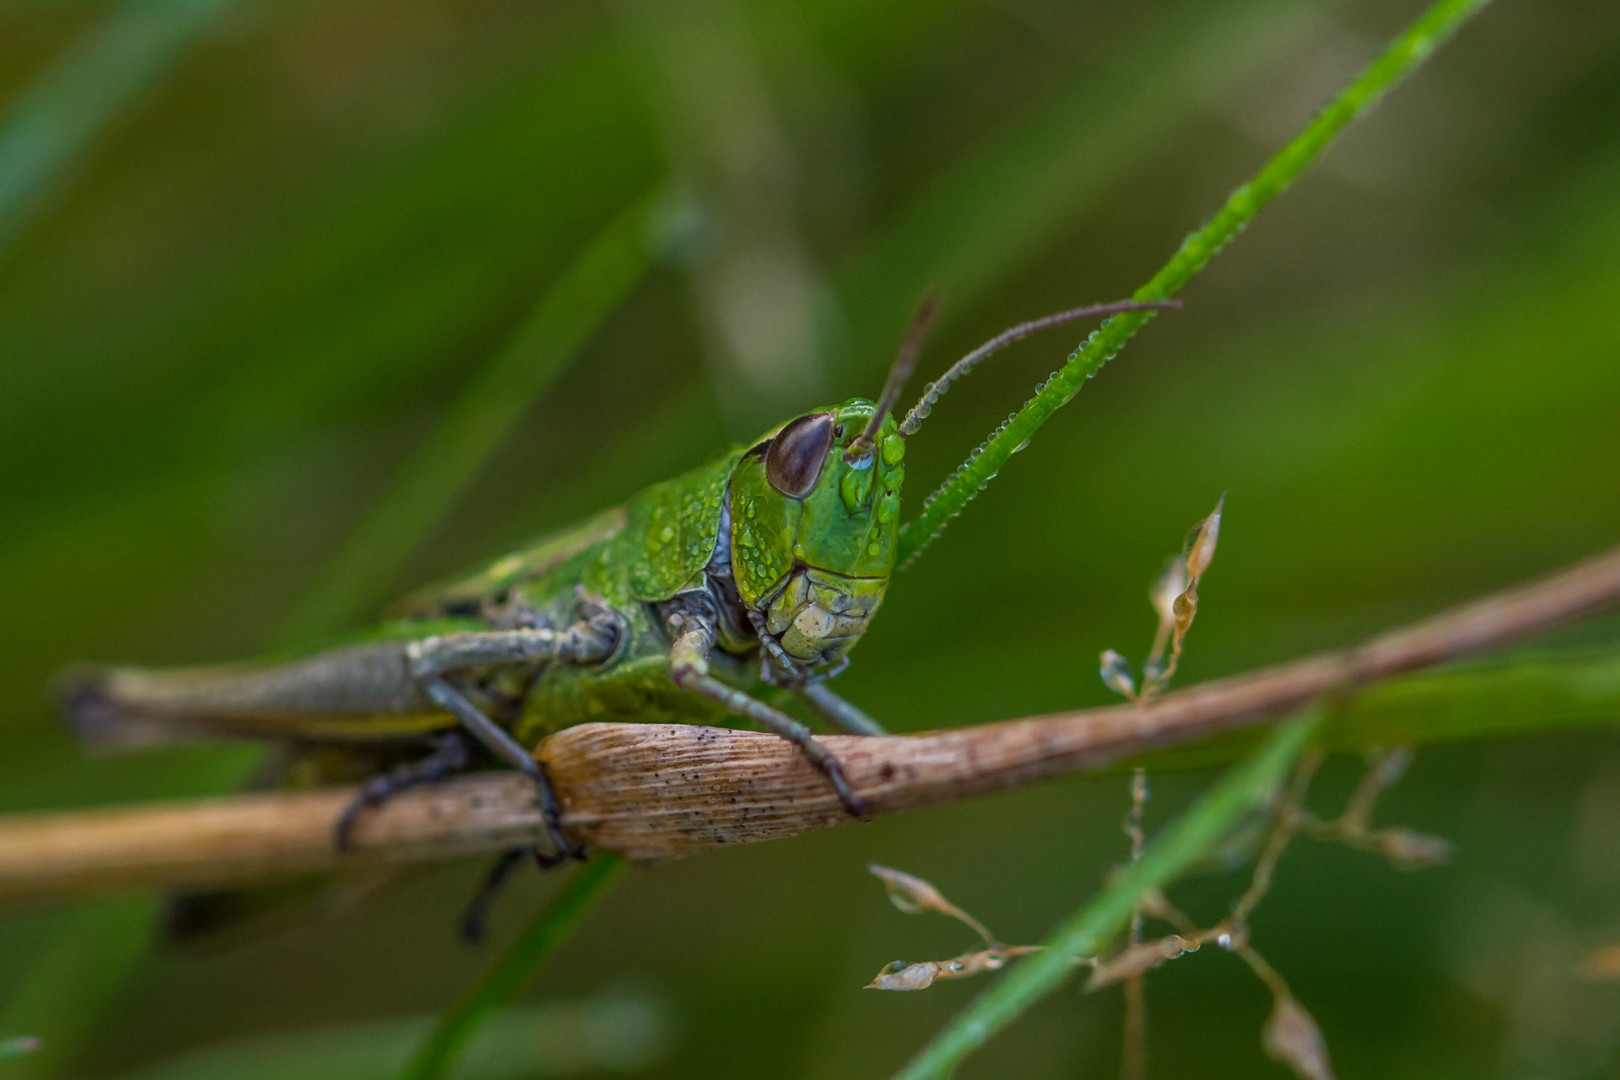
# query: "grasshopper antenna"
[904,361]
[936,389]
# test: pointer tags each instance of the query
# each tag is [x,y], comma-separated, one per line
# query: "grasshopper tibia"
[689,668]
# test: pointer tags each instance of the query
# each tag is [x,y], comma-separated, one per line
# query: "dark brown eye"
[794,462]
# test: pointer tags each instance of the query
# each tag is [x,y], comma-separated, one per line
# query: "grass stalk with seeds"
[1247,787]
[1408,50]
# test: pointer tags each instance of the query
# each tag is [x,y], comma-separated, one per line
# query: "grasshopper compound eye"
[793,463]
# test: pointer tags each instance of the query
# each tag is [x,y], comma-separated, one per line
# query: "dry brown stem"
[651,791]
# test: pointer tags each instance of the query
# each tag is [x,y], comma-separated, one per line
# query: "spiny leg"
[838,712]
[689,668]
[498,742]
[449,756]
[431,659]
[831,707]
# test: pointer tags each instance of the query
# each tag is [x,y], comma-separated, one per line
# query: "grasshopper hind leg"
[498,742]
[433,660]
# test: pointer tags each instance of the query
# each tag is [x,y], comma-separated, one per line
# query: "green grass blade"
[47,132]
[479,421]
[970,230]
[548,931]
[1525,694]
[1402,56]
[1246,787]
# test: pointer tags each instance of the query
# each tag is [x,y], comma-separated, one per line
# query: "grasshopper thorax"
[814,514]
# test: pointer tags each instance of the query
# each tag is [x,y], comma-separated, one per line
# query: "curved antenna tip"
[936,389]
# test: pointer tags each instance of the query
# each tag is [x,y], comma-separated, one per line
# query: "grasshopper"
[760,569]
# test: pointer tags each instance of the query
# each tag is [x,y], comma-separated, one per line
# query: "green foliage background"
[294,234]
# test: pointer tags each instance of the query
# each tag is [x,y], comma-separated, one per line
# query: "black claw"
[551,815]
[475,922]
[547,860]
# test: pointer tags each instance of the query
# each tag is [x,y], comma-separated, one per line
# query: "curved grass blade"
[1403,55]
[1248,786]
[63,994]
[966,233]
[48,131]
[481,419]
[553,925]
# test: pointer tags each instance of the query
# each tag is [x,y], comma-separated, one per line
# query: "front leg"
[689,668]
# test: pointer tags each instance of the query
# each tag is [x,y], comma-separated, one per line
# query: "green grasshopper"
[760,569]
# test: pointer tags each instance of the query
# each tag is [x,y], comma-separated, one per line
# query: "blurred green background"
[255,255]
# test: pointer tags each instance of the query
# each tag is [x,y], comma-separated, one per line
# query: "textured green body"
[786,580]
[669,533]
[623,559]
[659,545]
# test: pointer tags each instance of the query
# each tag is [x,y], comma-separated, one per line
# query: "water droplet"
[667,533]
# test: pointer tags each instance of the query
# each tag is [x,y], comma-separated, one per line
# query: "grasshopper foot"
[504,748]
[834,772]
[551,813]
[449,757]
[689,669]
[475,920]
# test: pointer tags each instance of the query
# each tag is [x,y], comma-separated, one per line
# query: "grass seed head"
[1292,1037]
[1116,674]
[1138,959]
[1412,850]
[1170,584]
[1201,549]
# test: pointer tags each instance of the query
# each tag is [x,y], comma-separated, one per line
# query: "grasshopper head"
[815,506]
[815,512]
